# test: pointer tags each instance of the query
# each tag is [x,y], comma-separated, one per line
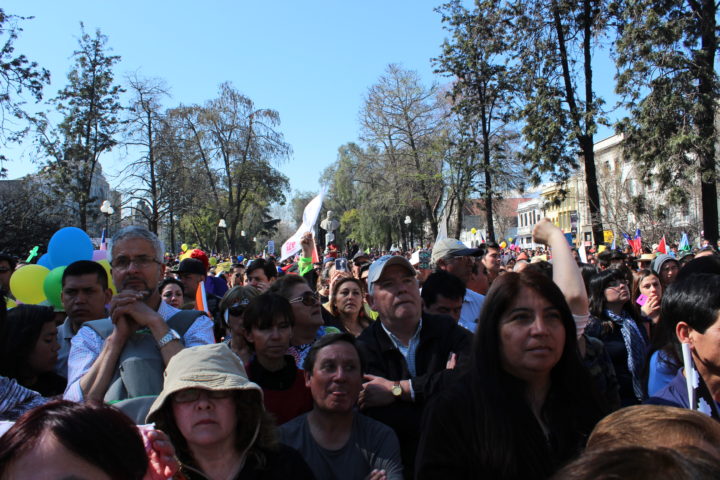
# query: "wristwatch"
[396,390]
[169,337]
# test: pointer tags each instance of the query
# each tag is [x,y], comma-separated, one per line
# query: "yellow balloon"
[26,284]
[106,266]
[503,244]
[213,261]
[184,247]
[473,230]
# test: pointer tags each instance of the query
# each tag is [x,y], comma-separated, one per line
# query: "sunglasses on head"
[308,298]
[237,309]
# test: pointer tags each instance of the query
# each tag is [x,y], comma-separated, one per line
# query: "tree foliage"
[144,121]
[17,75]
[402,125]
[554,42]
[91,108]
[229,146]
[666,53]
[483,89]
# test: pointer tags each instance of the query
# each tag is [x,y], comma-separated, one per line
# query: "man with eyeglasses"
[141,334]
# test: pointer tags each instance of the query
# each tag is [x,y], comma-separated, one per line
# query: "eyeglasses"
[193,394]
[308,298]
[123,263]
[237,309]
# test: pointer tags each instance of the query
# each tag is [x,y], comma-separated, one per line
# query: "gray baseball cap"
[454,248]
[378,267]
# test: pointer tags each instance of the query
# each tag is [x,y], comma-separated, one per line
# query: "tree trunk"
[706,121]
[586,140]
[172,230]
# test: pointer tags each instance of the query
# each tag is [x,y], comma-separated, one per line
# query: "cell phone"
[341,264]
[642,299]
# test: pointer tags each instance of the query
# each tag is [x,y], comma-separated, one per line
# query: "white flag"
[310,216]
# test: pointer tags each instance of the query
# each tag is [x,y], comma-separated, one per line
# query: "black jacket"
[440,336]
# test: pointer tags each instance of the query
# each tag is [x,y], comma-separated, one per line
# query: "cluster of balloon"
[66,246]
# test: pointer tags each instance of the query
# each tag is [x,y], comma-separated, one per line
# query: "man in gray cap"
[457,259]
[409,355]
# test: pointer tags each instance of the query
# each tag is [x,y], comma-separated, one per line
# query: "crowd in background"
[442,362]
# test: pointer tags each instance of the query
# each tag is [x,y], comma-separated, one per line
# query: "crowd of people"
[443,362]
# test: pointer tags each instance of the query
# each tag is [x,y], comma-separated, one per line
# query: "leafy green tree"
[666,52]
[91,108]
[233,145]
[363,191]
[483,89]
[554,42]
[17,74]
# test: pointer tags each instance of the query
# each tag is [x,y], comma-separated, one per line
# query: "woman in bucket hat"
[215,418]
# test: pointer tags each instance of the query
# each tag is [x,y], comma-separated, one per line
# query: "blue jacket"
[674,394]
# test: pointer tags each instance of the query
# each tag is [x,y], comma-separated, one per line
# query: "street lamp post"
[223,225]
[408,221]
[108,210]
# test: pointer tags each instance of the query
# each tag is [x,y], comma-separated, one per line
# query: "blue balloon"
[46,261]
[69,245]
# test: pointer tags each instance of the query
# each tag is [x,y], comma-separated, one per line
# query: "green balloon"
[52,286]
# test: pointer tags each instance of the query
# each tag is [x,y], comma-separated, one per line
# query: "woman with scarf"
[216,420]
[614,321]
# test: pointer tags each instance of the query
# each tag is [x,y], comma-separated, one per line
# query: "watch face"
[396,390]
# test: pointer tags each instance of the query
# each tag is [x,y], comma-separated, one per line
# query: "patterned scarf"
[636,346]
[699,397]
[16,399]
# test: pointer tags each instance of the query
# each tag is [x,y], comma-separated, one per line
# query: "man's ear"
[684,332]
[369,300]
[308,375]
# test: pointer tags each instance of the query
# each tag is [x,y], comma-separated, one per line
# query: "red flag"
[662,247]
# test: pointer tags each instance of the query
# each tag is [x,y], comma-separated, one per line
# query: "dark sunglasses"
[308,298]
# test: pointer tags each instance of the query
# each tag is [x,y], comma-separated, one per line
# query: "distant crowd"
[439,363]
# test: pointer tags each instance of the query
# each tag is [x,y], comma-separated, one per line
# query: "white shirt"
[470,313]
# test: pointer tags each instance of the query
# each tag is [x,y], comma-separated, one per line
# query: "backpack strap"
[182,320]
[102,327]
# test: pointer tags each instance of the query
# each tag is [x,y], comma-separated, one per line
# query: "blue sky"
[311,61]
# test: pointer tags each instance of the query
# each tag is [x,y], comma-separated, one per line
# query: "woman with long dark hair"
[614,321]
[527,405]
[29,349]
